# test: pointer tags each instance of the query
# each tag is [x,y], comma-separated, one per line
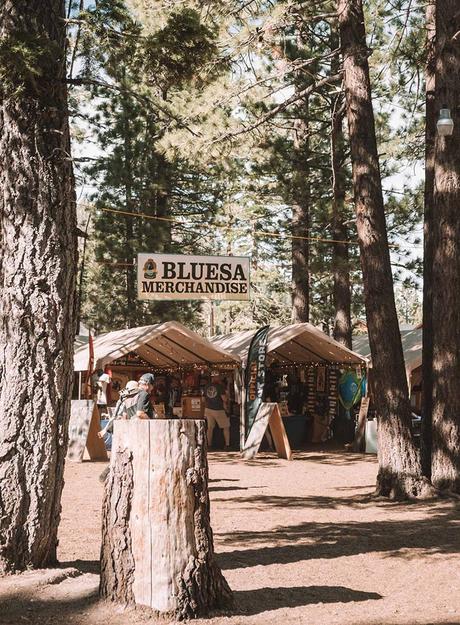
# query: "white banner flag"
[176,276]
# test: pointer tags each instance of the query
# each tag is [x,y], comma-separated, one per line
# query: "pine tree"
[446,256]
[134,176]
[399,463]
[37,275]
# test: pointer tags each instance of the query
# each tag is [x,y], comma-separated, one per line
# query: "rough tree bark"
[342,331]
[157,543]
[163,201]
[446,256]
[399,472]
[130,272]
[37,277]
[300,222]
[428,244]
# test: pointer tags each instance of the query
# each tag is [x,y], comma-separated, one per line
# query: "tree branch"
[328,80]
[141,98]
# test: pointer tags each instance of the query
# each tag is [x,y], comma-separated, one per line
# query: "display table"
[192,407]
[296,427]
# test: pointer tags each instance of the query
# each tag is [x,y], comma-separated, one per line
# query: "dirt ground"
[299,542]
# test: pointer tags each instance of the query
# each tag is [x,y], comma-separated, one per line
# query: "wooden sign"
[358,443]
[83,429]
[178,276]
[159,411]
[192,407]
[268,415]
[284,408]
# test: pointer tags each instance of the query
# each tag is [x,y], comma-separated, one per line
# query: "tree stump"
[157,543]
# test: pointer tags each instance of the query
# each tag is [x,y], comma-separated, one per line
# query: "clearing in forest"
[299,542]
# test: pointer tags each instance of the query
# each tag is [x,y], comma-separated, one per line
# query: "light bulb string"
[261,233]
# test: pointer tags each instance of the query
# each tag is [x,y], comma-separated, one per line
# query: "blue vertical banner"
[255,376]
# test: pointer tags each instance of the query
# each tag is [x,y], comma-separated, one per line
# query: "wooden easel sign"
[268,415]
[83,429]
[360,434]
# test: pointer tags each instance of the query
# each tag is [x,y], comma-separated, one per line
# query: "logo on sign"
[150,269]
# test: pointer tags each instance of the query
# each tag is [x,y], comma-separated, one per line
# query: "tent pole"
[242,407]
[79,385]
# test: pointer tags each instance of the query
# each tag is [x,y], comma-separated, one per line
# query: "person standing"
[129,393]
[143,405]
[101,398]
[135,404]
[215,397]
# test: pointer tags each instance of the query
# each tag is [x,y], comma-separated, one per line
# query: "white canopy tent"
[298,343]
[412,349]
[163,345]
[411,343]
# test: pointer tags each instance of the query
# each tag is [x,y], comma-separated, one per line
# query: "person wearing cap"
[144,408]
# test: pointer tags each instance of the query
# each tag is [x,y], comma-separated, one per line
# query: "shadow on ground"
[359,500]
[28,606]
[252,602]
[216,489]
[436,534]
[84,566]
[330,456]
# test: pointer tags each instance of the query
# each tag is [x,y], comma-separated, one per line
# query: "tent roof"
[80,339]
[411,343]
[162,345]
[295,343]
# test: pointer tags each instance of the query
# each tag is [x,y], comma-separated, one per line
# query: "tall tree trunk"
[342,331]
[399,462]
[428,244]
[300,222]
[37,276]
[129,219]
[446,256]
[341,263]
[163,201]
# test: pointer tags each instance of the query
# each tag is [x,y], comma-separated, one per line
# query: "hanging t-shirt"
[213,396]
[102,384]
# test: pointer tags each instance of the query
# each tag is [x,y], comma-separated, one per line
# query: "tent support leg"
[242,407]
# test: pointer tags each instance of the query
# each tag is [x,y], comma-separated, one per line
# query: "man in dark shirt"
[144,408]
[215,397]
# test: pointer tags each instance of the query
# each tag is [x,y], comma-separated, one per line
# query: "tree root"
[403,487]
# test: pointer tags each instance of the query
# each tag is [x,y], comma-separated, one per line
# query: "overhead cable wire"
[259,233]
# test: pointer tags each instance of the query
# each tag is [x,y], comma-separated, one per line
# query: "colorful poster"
[255,376]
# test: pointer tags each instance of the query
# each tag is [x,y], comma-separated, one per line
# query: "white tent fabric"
[295,343]
[163,345]
[411,342]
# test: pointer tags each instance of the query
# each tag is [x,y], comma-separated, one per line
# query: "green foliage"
[25,58]
[176,53]
[132,173]
[176,86]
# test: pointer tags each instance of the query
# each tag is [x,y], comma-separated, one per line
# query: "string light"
[192,367]
[259,233]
